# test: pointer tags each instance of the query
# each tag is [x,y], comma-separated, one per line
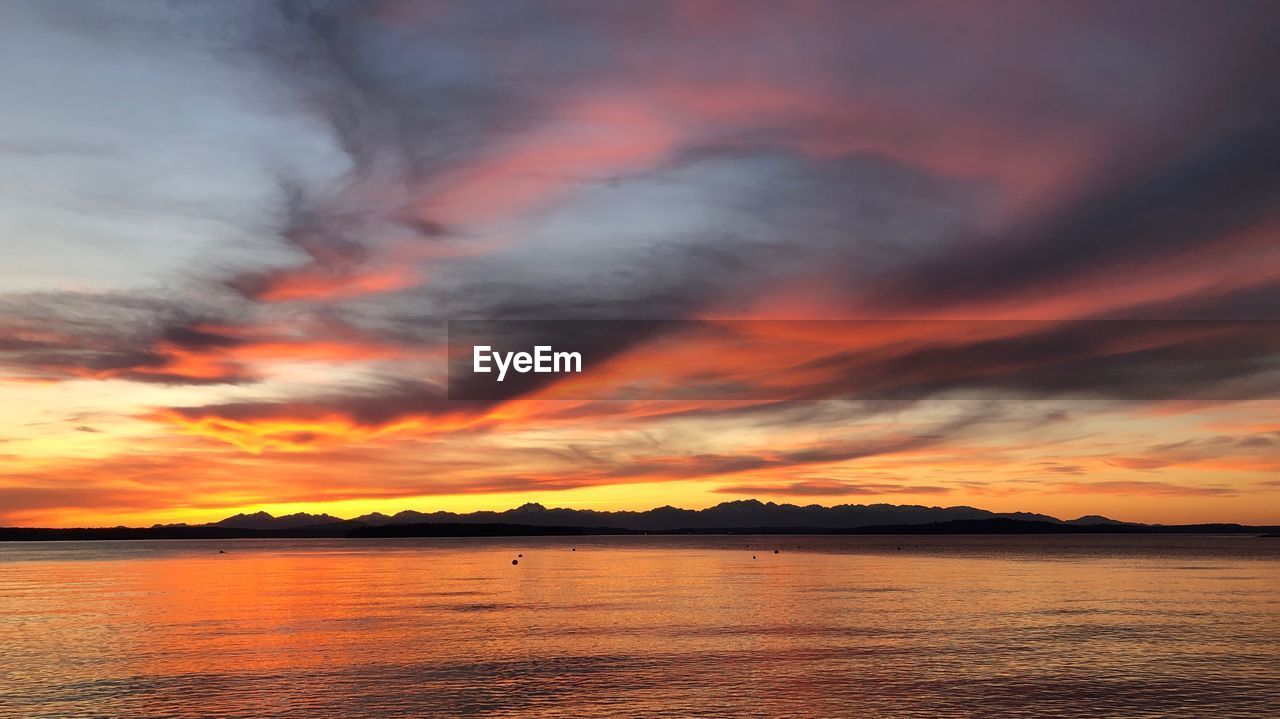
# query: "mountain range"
[727,515]
[737,517]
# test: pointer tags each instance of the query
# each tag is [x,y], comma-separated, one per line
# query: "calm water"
[643,626]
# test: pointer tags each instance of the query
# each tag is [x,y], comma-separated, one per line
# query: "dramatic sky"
[231,234]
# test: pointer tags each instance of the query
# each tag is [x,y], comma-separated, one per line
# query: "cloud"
[1134,360]
[177,340]
[1056,468]
[886,359]
[56,337]
[354,415]
[1207,185]
[828,489]
[1145,489]
[1142,463]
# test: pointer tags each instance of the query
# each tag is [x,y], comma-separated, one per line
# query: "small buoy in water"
[519,555]
[753,556]
[775,551]
[222,551]
[515,561]
[574,549]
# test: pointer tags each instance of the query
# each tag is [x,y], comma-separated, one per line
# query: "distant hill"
[1092,519]
[744,516]
[727,515]
[262,520]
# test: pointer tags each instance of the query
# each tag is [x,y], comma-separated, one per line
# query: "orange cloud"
[828,489]
[1145,489]
[589,138]
[313,283]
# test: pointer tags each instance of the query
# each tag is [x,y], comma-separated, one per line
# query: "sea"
[643,626]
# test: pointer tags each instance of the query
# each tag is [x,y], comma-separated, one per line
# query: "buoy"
[515,561]
[222,551]
[775,551]
[520,555]
[574,549]
[753,556]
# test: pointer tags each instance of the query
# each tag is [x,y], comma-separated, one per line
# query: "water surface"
[1041,626]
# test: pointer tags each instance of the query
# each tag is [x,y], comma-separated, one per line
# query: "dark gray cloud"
[1260,302]
[1157,200]
[149,339]
[372,405]
[1135,360]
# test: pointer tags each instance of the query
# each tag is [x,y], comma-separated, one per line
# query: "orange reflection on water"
[640,626]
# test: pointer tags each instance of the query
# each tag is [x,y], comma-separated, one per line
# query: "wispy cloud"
[828,489]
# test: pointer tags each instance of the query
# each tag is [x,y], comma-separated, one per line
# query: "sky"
[231,236]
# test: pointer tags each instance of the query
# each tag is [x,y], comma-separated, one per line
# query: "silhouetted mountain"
[262,520]
[747,517]
[1089,519]
[993,525]
[1027,517]
[727,515]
